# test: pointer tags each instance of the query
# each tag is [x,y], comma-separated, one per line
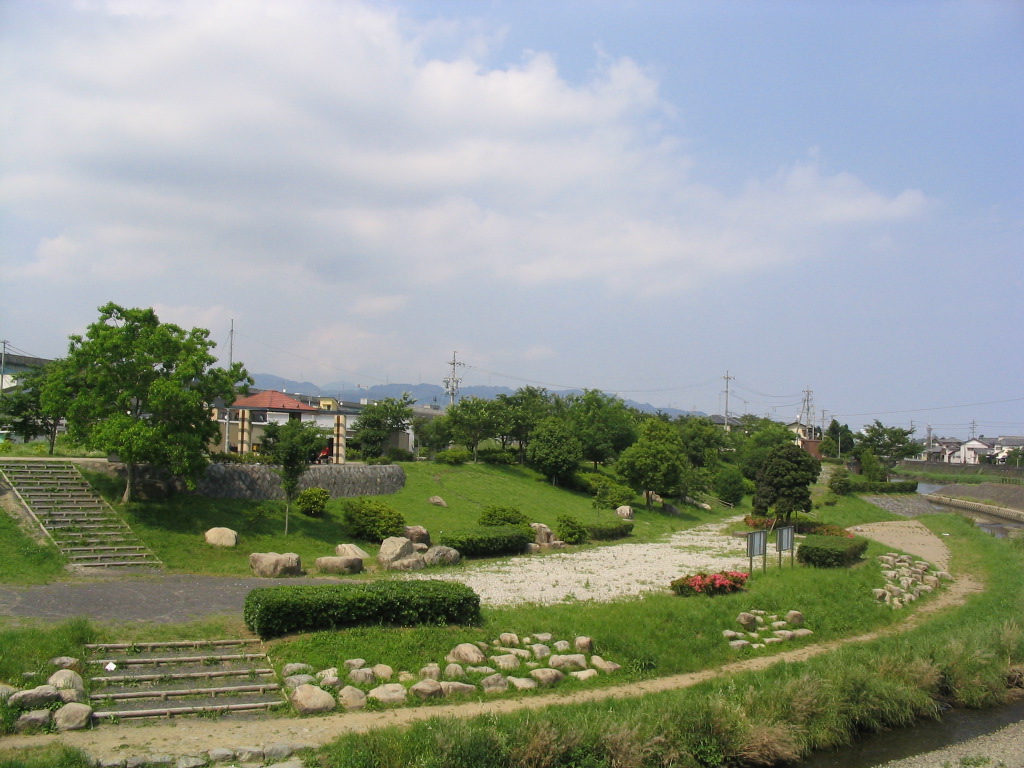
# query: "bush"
[839,482]
[710,584]
[274,611]
[570,530]
[377,461]
[831,551]
[496,456]
[371,520]
[400,454]
[607,493]
[801,524]
[312,502]
[453,456]
[503,516]
[861,485]
[729,485]
[610,529]
[488,541]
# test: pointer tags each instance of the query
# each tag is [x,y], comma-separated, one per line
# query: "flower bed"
[721,583]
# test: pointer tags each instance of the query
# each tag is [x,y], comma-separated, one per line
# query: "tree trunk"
[287,509]
[129,487]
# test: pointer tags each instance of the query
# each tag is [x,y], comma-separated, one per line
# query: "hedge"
[371,520]
[488,541]
[570,530]
[494,516]
[858,485]
[831,551]
[274,611]
[611,529]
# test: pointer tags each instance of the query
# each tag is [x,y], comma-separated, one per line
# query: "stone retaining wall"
[974,506]
[259,481]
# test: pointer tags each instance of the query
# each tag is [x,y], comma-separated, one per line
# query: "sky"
[637,197]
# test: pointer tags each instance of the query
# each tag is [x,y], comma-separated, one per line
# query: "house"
[243,423]
[807,437]
[14,365]
[974,451]
[1004,444]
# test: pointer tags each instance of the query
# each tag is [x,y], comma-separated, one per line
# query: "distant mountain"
[423,394]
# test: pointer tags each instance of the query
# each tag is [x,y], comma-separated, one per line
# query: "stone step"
[203,707]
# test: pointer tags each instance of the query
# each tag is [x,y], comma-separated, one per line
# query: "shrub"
[710,584]
[859,484]
[377,461]
[453,456]
[275,611]
[312,502]
[496,456]
[503,516]
[839,482]
[729,485]
[371,520]
[570,530]
[400,454]
[801,524]
[608,494]
[830,551]
[609,529]
[488,541]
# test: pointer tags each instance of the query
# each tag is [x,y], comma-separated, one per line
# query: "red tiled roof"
[270,400]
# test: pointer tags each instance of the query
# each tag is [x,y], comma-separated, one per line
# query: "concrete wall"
[259,481]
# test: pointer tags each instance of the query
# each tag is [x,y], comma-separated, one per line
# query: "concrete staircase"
[149,680]
[82,525]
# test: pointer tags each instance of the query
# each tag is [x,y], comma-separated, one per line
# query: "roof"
[272,400]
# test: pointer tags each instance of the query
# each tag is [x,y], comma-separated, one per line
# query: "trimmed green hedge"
[859,485]
[611,529]
[831,551]
[570,530]
[488,541]
[493,516]
[275,611]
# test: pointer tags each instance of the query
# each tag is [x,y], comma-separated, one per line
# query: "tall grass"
[54,756]
[25,560]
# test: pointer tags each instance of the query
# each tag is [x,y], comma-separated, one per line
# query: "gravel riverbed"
[604,573]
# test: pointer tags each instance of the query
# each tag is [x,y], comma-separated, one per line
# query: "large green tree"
[554,450]
[753,448]
[520,413]
[888,443]
[23,410]
[838,440]
[143,389]
[378,421]
[656,462]
[471,421]
[291,447]
[784,482]
[602,423]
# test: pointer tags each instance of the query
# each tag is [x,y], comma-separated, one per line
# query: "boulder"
[221,537]
[431,671]
[441,555]
[584,644]
[427,689]
[294,681]
[351,698]
[417,534]
[625,512]
[604,666]
[795,618]
[797,633]
[454,670]
[72,717]
[73,695]
[450,687]
[494,683]
[66,678]
[392,549]
[542,534]
[540,651]
[362,676]
[748,621]
[562,646]
[296,669]
[546,676]
[414,562]
[466,653]
[351,550]
[543,637]
[32,720]
[584,674]
[738,644]
[506,661]
[309,700]
[522,683]
[34,698]
[480,670]
[568,661]
[351,664]
[66,662]
[339,564]
[508,638]
[531,549]
[382,672]
[273,565]
[437,501]
[389,693]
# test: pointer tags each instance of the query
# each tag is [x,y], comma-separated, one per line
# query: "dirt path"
[193,736]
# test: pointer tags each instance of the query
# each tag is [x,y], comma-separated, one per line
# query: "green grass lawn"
[24,560]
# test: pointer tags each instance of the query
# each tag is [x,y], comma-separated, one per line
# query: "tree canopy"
[554,450]
[784,482]
[379,421]
[889,443]
[142,389]
[472,420]
[291,447]
[602,423]
[656,462]
[23,409]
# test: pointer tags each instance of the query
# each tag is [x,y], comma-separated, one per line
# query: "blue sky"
[632,196]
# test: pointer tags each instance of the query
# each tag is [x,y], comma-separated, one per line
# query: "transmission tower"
[451,382]
[727,378]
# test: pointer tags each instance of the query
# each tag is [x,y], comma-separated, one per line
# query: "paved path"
[156,598]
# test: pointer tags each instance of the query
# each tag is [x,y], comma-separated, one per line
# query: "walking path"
[195,736]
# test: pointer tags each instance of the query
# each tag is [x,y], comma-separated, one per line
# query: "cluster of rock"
[761,629]
[413,551]
[906,579]
[543,538]
[271,755]
[60,704]
[507,663]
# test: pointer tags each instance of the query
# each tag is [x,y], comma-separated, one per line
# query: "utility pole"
[451,383]
[231,360]
[727,378]
[974,426]
[3,368]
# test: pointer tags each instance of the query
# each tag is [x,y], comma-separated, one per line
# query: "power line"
[936,408]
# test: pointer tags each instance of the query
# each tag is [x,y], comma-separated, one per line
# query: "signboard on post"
[784,542]
[757,544]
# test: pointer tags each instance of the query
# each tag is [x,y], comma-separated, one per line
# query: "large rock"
[351,698]
[545,676]
[506,662]
[339,564]
[393,549]
[309,700]
[466,653]
[604,666]
[362,676]
[494,683]
[66,678]
[389,693]
[455,688]
[273,565]
[747,620]
[625,512]
[32,720]
[73,717]
[222,537]
[437,501]
[568,661]
[542,534]
[441,555]
[584,644]
[413,562]
[427,689]
[417,534]
[34,698]
[351,550]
